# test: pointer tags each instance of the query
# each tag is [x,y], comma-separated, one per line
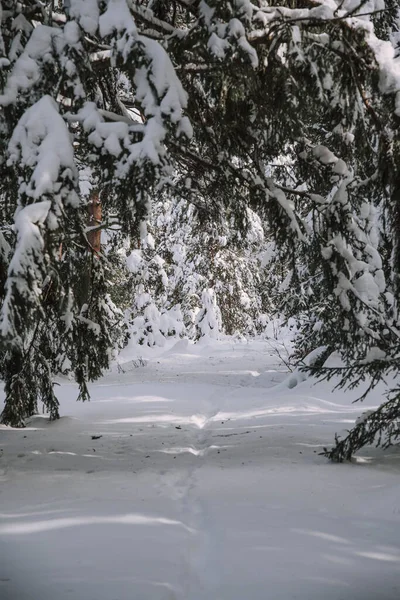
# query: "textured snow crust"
[196,476]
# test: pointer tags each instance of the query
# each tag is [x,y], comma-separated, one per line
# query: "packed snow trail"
[200,576]
[197,477]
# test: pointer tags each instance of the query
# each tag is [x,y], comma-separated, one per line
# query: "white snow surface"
[206,484]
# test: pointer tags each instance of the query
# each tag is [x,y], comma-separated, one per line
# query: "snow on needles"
[27,69]
[41,142]
[86,13]
[22,268]
[158,90]
[117,17]
[228,36]
[165,81]
[389,67]
[155,72]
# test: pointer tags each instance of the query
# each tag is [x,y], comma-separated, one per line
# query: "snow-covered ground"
[206,484]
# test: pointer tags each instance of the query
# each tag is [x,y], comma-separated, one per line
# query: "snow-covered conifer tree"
[59,91]
[201,254]
[150,317]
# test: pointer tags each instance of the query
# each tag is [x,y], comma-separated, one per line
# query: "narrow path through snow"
[199,575]
[197,477]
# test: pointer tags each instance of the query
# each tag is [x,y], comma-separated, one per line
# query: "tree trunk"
[94,235]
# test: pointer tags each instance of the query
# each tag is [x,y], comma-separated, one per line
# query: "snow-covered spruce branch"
[147,15]
[380,427]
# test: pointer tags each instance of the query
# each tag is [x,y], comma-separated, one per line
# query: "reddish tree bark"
[94,235]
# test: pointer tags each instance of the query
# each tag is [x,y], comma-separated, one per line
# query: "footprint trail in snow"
[199,557]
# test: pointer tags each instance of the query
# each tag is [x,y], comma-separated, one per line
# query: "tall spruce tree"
[290,109]
[202,253]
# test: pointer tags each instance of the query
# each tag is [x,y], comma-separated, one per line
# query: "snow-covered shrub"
[208,319]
